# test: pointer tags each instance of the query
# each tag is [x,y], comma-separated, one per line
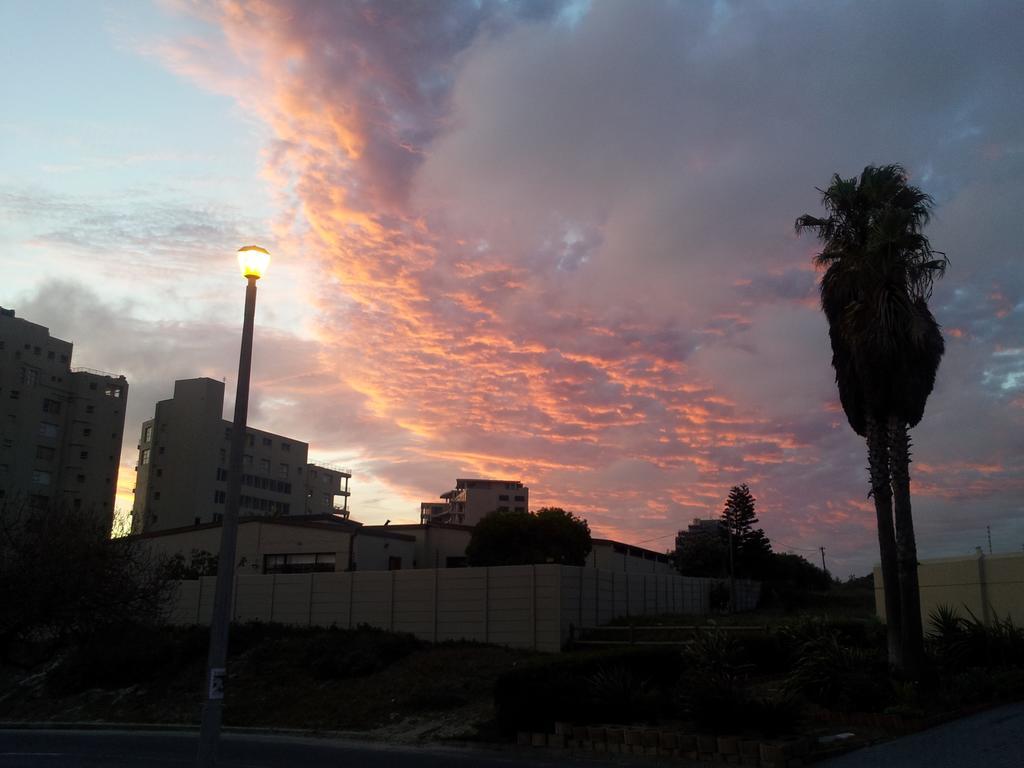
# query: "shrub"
[839,677]
[578,687]
[956,641]
[346,653]
[713,685]
[126,654]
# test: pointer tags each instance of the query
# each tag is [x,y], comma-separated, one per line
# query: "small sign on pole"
[216,683]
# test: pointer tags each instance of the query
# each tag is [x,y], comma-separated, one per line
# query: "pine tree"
[750,547]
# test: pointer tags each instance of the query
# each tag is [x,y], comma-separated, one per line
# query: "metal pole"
[216,673]
[823,560]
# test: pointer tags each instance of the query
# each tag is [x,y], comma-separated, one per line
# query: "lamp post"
[253,262]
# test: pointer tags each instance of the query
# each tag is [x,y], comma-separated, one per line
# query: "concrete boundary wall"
[988,586]
[523,606]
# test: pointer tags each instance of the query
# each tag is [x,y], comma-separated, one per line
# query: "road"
[147,749]
[993,739]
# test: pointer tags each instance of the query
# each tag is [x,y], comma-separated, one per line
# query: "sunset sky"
[538,240]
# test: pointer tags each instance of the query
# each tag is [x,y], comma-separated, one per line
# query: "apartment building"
[472,499]
[60,427]
[183,460]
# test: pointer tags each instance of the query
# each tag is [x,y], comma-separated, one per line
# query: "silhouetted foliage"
[702,550]
[551,535]
[62,576]
[886,349]
[751,548]
[198,563]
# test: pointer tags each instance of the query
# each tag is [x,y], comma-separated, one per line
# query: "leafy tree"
[63,578]
[751,549]
[702,550]
[886,349]
[551,535]
[564,537]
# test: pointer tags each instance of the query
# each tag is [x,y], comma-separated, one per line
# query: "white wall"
[523,606]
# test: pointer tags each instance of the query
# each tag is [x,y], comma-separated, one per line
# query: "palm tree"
[886,348]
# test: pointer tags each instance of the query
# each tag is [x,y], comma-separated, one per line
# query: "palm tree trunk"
[881,491]
[906,549]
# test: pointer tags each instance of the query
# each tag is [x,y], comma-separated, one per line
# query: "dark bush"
[836,676]
[956,641]
[346,653]
[122,655]
[537,692]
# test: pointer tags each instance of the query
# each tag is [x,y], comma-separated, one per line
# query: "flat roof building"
[60,427]
[473,499]
[183,461]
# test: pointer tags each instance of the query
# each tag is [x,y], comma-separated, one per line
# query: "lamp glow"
[253,260]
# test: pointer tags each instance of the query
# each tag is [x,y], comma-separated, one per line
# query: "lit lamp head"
[253,260]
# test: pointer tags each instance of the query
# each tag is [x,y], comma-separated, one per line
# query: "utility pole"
[823,559]
[988,530]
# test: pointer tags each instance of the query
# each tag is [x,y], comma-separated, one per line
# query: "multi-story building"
[472,499]
[60,427]
[183,467]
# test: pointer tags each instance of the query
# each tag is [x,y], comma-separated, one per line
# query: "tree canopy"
[549,535]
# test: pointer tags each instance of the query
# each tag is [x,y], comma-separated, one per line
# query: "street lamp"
[252,260]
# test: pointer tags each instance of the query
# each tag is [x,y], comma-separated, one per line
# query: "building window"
[267,441]
[286,447]
[161,450]
[63,358]
[86,432]
[38,501]
[92,385]
[51,406]
[90,409]
[112,390]
[83,454]
[282,470]
[227,433]
[520,498]
[46,429]
[8,442]
[520,509]
[223,456]
[265,466]
[40,477]
[144,457]
[15,394]
[80,478]
[503,497]
[218,497]
[327,500]
[44,453]
[312,562]
[394,563]
[247,460]
[29,376]
[50,355]
[222,474]
[156,495]
[250,439]
[159,472]
[147,433]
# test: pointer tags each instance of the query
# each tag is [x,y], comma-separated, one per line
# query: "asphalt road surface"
[147,749]
[993,739]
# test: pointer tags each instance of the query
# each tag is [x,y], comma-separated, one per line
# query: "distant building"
[60,427]
[295,544]
[617,556]
[472,499]
[183,461]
